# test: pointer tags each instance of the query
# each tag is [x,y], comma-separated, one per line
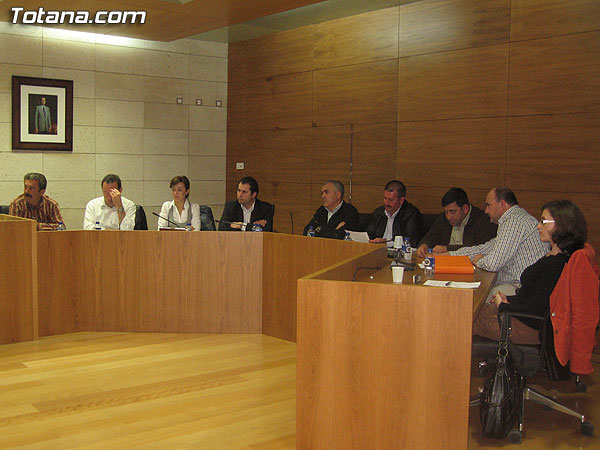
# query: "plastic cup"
[397,274]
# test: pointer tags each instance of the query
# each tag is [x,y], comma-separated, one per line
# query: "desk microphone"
[292,221]
[164,218]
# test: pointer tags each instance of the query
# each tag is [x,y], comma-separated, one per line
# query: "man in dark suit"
[396,217]
[335,216]
[247,210]
[460,225]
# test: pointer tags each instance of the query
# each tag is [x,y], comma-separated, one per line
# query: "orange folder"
[453,264]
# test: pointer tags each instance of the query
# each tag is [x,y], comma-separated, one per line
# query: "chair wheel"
[580,386]
[482,369]
[514,436]
[587,428]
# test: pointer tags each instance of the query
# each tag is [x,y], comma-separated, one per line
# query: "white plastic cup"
[398,242]
[397,274]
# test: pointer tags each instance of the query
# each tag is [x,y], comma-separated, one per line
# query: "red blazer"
[574,311]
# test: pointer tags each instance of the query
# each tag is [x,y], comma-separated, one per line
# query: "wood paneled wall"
[436,93]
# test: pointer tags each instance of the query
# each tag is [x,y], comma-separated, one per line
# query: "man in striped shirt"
[33,204]
[516,246]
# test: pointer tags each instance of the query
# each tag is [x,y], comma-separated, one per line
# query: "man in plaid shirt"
[33,204]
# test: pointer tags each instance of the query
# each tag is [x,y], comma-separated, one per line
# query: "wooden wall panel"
[373,153]
[357,39]
[237,151]
[330,154]
[281,53]
[236,105]
[280,102]
[454,62]
[362,93]
[588,203]
[276,155]
[563,149]
[431,26]
[237,61]
[463,83]
[429,198]
[288,198]
[533,19]
[18,278]
[466,153]
[367,197]
[555,75]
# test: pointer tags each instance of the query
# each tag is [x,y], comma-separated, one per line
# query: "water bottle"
[347,236]
[97,226]
[429,265]
[61,227]
[188,227]
[407,249]
[257,227]
[311,231]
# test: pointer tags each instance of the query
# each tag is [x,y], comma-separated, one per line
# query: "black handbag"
[499,401]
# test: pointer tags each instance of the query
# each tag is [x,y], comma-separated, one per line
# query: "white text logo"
[41,16]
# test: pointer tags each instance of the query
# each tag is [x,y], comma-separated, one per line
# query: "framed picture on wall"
[42,114]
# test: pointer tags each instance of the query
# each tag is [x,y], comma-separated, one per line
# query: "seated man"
[397,217]
[461,224]
[112,211]
[33,204]
[247,210]
[335,216]
[516,246]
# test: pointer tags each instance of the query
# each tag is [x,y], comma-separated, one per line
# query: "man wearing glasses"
[516,246]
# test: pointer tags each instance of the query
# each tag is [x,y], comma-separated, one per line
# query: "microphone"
[292,221]
[164,218]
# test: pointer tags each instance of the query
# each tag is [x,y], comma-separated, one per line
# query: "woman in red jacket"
[563,226]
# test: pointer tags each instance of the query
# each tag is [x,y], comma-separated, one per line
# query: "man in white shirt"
[112,211]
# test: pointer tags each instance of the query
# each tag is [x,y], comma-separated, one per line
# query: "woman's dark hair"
[570,227]
[181,179]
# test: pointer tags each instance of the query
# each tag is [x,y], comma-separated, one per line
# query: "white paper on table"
[359,236]
[453,284]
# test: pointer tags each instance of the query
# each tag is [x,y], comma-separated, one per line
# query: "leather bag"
[499,402]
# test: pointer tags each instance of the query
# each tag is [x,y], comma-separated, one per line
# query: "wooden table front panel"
[150,281]
[382,366]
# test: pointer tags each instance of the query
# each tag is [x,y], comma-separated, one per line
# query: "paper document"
[453,284]
[359,236]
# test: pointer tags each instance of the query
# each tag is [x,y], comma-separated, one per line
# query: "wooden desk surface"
[384,276]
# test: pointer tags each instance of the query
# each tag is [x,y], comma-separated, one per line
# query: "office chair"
[4,209]
[140,218]
[207,221]
[563,348]
[363,221]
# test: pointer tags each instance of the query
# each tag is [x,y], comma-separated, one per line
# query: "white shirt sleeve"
[129,220]
[89,218]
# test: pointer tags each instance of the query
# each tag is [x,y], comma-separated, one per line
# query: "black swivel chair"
[4,209]
[140,218]
[207,221]
[529,359]
[363,221]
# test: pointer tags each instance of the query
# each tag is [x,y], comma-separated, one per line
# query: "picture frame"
[42,114]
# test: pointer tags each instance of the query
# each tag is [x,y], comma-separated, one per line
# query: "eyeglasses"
[545,221]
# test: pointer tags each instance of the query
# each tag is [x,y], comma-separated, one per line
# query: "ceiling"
[212,20]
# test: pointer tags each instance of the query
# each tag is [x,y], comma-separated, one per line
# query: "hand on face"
[115,196]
